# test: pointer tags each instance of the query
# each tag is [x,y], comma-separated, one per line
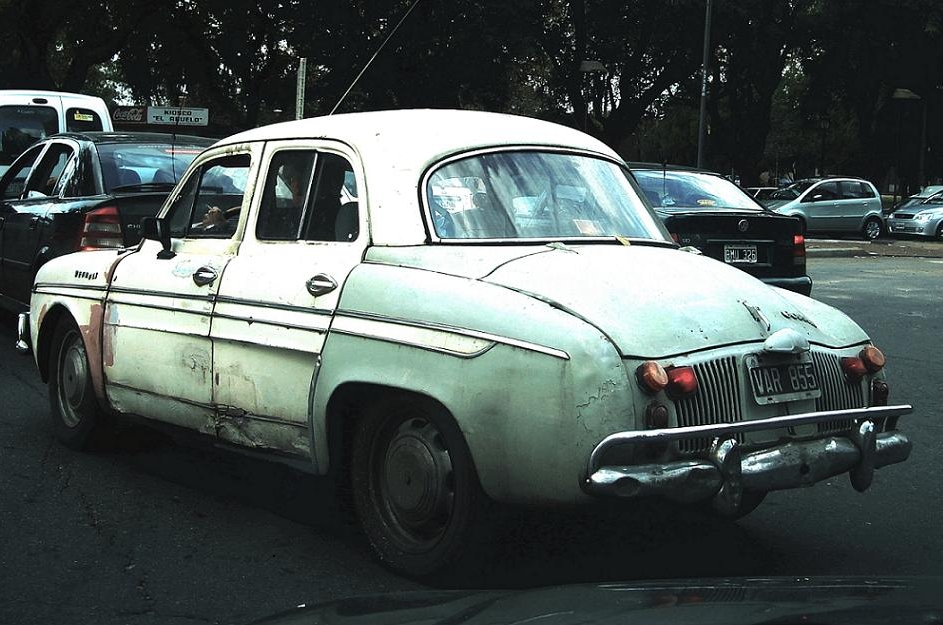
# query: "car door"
[857,200]
[156,339]
[32,190]
[278,295]
[822,207]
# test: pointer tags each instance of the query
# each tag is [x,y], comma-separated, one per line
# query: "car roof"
[397,147]
[134,137]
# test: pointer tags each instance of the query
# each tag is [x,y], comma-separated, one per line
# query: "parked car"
[919,216]
[707,211]
[761,193]
[497,316]
[82,191]
[916,199]
[833,205]
[28,116]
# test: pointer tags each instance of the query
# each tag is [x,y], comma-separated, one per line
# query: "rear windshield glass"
[537,195]
[129,165]
[688,190]
[21,126]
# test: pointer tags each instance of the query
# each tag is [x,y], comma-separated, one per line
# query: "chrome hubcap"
[73,379]
[416,479]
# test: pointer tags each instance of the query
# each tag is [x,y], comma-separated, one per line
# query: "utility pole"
[300,89]
[702,122]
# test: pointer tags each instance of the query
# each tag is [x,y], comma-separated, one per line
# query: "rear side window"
[45,177]
[82,120]
[21,126]
[852,189]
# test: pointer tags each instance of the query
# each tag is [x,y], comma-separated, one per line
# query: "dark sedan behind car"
[704,210]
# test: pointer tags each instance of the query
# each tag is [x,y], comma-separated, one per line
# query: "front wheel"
[75,412]
[872,228]
[414,485]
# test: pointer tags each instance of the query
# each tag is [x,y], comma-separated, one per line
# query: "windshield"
[536,195]
[133,164]
[687,190]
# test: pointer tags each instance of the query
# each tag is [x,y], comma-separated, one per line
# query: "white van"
[28,116]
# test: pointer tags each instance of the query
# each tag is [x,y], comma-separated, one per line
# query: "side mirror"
[155,229]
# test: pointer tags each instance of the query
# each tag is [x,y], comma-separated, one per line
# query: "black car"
[82,191]
[704,210]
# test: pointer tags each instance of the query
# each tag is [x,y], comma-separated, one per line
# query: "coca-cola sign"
[130,115]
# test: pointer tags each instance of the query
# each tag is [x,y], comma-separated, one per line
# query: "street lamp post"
[702,120]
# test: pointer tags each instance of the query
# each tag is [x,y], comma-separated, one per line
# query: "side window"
[855,190]
[46,173]
[16,175]
[210,201]
[309,196]
[824,192]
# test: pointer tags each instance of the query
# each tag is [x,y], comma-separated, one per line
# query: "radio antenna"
[388,37]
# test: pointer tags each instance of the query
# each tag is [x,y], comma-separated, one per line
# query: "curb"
[901,248]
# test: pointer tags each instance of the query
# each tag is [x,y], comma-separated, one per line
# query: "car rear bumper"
[22,333]
[801,285]
[727,470]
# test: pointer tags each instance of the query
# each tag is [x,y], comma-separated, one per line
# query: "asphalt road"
[150,531]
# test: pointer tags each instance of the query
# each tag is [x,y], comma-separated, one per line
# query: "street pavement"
[884,246]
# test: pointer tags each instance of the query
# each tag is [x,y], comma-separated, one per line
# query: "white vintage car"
[450,308]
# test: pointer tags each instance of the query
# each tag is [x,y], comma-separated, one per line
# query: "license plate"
[776,382]
[740,254]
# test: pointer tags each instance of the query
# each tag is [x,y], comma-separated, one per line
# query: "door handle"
[204,275]
[320,284]
[33,222]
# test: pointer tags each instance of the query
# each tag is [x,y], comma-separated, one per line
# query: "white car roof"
[397,146]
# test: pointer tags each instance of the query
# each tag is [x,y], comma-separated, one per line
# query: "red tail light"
[101,229]
[853,367]
[798,246]
[682,381]
[675,238]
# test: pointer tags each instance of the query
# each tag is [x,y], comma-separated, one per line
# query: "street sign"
[178,116]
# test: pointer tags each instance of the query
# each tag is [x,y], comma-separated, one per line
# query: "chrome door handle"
[204,275]
[320,284]
[33,222]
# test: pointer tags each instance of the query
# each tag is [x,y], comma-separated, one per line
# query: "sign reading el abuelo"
[161,115]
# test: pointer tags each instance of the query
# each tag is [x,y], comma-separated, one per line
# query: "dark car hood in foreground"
[823,601]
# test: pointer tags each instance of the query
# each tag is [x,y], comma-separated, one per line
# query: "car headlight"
[922,217]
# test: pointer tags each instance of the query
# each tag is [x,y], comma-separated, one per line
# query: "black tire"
[415,488]
[76,416]
[939,231]
[872,229]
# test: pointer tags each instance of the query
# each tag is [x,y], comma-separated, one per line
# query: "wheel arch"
[47,330]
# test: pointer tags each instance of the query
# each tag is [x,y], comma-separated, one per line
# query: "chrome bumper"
[22,333]
[727,470]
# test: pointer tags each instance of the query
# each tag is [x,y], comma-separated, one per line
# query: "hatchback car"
[491,313]
[709,212]
[919,217]
[832,205]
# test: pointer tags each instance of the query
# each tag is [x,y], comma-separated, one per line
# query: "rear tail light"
[651,376]
[101,229]
[682,382]
[798,248]
[853,367]
[879,393]
[675,238]
[872,358]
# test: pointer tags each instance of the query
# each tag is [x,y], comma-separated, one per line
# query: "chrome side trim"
[342,318]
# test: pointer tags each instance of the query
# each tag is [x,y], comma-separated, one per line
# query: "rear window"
[129,165]
[21,126]
[82,120]
[674,190]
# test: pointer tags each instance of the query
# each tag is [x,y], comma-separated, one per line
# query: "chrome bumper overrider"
[22,333]
[727,470]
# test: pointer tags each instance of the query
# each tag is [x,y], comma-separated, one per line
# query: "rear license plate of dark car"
[736,254]
[776,382]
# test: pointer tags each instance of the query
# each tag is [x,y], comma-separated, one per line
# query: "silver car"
[923,218]
[832,205]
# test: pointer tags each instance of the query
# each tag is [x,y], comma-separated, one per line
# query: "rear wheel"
[415,487]
[872,228]
[75,412]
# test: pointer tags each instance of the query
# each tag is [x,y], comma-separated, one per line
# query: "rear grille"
[717,401]
[837,394]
